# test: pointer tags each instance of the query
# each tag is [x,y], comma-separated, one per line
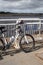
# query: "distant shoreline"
[20,14]
[9,15]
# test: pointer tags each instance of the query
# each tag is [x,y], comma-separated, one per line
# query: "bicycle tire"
[2,44]
[27,49]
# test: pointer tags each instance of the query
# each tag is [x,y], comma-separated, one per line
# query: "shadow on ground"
[11,52]
[40,45]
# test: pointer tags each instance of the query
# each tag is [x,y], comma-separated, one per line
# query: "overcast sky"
[22,6]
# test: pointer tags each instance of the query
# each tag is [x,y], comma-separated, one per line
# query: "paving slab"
[22,58]
[40,55]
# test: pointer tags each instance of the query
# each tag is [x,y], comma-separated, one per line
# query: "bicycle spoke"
[27,42]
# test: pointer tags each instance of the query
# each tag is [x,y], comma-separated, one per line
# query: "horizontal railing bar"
[8,19]
[34,23]
[8,24]
[31,19]
[25,23]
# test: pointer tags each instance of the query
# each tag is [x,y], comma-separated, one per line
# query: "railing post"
[39,27]
[24,28]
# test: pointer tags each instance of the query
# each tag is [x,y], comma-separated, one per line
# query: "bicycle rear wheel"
[2,46]
[27,43]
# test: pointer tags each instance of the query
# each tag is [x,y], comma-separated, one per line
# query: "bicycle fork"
[26,39]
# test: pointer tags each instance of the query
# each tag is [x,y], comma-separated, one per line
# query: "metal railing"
[31,26]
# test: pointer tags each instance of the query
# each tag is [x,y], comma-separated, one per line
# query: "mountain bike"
[26,43]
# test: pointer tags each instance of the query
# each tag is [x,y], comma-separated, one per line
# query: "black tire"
[2,46]
[25,48]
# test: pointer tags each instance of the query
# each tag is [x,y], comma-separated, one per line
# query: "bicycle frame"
[5,40]
[13,39]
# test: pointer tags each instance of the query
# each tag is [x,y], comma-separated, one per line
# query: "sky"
[22,6]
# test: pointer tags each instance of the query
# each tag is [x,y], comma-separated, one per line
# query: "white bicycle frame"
[12,38]
[5,41]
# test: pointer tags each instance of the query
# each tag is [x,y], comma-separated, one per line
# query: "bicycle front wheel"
[27,43]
